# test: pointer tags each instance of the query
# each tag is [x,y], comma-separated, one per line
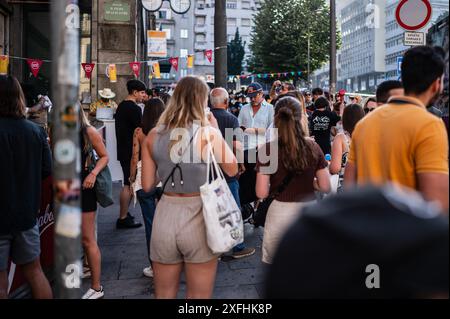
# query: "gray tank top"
[191,171]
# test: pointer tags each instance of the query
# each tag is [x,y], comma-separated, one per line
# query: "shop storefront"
[109,33]
[105,38]
[4,27]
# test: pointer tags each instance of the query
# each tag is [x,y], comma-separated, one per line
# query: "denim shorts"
[23,247]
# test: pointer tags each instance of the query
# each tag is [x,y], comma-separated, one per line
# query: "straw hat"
[107,94]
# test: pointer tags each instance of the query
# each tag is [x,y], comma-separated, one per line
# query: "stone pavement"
[124,256]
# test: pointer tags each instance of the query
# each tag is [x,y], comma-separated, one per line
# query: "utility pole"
[220,43]
[152,26]
[333,72]
[309,57]
[65,141]
[152,21]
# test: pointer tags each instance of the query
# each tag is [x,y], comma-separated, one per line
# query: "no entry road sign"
[413,15]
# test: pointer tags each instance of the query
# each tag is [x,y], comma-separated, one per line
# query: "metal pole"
[65,141]
[152,21]
[220,43]
[309,56]
[152,26]
[333,72]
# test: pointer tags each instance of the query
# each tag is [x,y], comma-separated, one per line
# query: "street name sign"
[117,11]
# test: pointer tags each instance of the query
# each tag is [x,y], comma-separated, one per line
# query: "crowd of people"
[296,147]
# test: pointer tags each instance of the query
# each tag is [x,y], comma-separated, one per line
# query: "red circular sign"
[409,8]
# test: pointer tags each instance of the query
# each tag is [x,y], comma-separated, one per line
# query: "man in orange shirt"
[401,142]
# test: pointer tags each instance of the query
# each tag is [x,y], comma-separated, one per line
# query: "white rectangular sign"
[414,38]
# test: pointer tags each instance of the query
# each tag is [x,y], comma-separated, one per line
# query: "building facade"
[321,77]
[5,12]
[193,33]
[394,34]
[179,31]
[363,50]
[104,38]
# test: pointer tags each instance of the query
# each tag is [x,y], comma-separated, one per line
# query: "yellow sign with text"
[157,44]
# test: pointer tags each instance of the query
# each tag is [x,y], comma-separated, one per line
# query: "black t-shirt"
[25,160]
[128,118]
[321,123]
[227,120]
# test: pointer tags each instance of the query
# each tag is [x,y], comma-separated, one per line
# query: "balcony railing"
[200,28]
[200,12]
[200,45]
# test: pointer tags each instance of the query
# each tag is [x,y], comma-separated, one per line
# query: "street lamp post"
[309,57]
[220,43]
[333,72]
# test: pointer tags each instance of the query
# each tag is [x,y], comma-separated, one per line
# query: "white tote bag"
[334,183]
[223,219]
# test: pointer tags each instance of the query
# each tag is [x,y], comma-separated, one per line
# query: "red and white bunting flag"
[174,63]
[208,54]
[88,68]
[136,67]
[35,66]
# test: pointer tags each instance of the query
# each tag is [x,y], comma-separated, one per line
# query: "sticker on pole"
[414,38]
[68,222]
[413,15]
[65,152]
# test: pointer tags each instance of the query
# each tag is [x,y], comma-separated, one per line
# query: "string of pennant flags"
[111,69]
[265,75]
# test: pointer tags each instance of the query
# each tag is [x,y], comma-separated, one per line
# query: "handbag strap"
[90,152]
[211,162]
[177,165]
[286,180]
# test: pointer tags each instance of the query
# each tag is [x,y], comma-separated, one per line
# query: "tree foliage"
[236,53]
[280,36]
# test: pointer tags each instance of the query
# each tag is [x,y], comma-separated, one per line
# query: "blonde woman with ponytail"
[299,161]
[174,153]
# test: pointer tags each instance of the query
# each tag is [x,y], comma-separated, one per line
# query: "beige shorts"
[280,216]
[179,233]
